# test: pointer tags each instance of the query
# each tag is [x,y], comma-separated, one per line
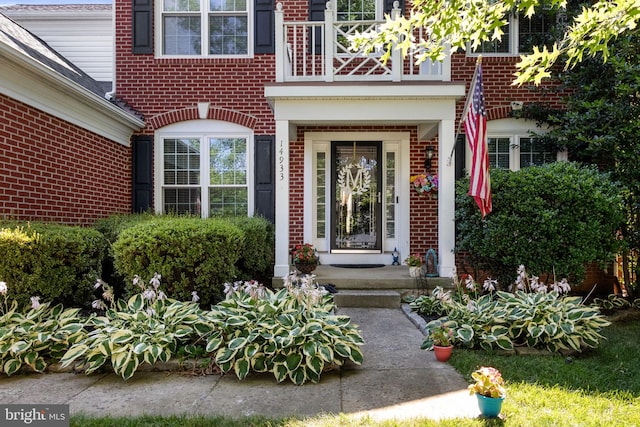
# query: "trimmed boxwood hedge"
[191,254]
[58,263]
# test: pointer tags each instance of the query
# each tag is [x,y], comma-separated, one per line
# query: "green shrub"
[59,263]
[258,252]
[111,227]
[552,218]
[190,254]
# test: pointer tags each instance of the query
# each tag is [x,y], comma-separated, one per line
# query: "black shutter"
[265,27]
[388,6]
[142,23]
[460,153]
[142,174]
[265,190]
[316,13]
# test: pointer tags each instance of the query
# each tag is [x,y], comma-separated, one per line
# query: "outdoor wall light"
[429,152]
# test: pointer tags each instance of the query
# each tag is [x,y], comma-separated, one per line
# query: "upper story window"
[205,27]
[203,170]
[521,34]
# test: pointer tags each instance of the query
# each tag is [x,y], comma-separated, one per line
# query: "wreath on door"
[358,186]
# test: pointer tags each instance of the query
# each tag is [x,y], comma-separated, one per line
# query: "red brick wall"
[157,86]
[53,170]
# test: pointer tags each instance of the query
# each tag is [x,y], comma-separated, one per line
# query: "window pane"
[181,162]
[228,5]
[228,161]
[181,35]
[390,196]
[181,5]
[321,196]
[539,30]
[531,155]
[497,46]
[228,201]
[182,200]
[356,10]
[499,152]
[228,35]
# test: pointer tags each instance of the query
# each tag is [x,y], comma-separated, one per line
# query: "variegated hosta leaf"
[342,350]
[259,363]
[293,361]
[11,366]
[76,351]
[298,376]
[241,367]
[280,371]
[356,356]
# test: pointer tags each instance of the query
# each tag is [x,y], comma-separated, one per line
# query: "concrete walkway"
[397,380]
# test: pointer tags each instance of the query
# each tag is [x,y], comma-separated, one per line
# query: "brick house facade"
[294,111]
[250,109]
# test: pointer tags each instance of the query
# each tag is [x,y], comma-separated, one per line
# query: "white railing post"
[280,50]
[396,55]
[329,38]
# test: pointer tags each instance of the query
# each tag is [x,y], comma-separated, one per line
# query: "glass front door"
[356,220]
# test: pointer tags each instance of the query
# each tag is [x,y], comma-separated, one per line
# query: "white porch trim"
[427,106]
[446,199]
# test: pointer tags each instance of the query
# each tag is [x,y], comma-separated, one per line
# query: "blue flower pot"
[490,407]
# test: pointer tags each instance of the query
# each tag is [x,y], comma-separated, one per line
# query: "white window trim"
[204,35]
[514,129]
[203,130]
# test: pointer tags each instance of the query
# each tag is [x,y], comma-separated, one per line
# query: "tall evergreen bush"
[552,218]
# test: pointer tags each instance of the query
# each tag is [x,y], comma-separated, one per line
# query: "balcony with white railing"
[318,51]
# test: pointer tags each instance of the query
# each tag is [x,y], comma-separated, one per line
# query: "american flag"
[475,126]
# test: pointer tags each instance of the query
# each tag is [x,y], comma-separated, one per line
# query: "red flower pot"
[442,353]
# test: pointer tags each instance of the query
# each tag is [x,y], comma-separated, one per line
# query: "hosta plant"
[540,320]
[290,333]
[147,328]
[35,337]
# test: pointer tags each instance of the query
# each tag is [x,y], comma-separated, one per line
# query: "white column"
[280,48]
[446,199]
[397,64]
[281,267]
[329,36]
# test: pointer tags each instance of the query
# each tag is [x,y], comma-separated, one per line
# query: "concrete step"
[367,298]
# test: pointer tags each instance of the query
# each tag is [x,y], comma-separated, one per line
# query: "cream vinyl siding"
[83,37]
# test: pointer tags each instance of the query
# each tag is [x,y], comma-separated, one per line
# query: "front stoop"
[367,298]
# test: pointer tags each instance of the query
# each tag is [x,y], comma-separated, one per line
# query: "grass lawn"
[597,388]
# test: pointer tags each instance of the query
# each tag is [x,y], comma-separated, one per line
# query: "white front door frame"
[399,139]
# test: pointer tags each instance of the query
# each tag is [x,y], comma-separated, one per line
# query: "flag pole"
[464,111]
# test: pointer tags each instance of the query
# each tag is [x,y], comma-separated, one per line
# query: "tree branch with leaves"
[457,25]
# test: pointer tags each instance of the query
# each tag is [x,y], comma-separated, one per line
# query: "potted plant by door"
[442,338]
[305,258]
[489,389]
[414,261]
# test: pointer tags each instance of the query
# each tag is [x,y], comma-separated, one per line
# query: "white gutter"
[35,84]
